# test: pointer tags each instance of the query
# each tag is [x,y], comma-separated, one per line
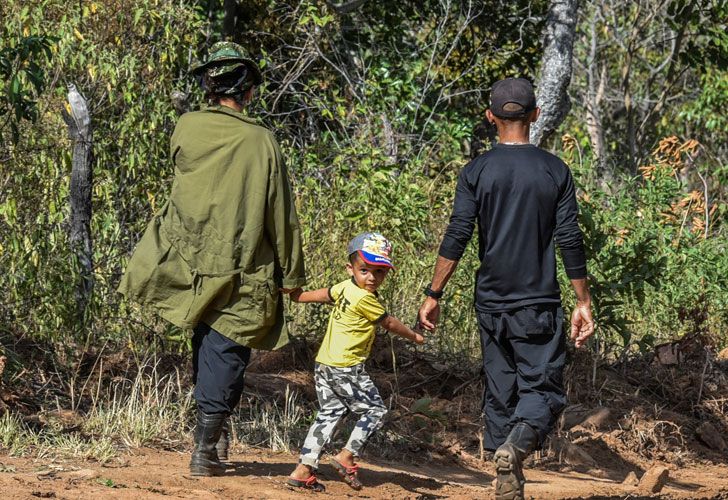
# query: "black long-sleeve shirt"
[523,200]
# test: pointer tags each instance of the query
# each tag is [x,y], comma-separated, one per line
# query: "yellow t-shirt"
[352,325]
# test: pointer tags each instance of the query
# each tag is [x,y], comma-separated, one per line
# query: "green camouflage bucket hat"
[225,57]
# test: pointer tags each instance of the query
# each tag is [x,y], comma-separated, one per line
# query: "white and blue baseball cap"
[373,248]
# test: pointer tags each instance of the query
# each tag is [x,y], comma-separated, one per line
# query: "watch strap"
[432,293]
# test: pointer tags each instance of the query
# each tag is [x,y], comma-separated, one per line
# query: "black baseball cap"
[512,98]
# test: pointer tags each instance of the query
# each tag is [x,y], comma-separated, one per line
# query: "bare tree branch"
[78,119]
[555,69]
[347,7]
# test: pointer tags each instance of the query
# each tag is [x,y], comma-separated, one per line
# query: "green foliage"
[649,70]
[655,276]
[127,61]
[706,111]
[422,407]
[22,79]
[109,483]
[374,109]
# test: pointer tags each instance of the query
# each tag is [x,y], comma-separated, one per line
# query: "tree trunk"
[555,69]
[79,130]
[594,121]
[231,18]
[628,111]
[594,97]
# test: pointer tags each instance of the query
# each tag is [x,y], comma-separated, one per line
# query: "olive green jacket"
[228,237]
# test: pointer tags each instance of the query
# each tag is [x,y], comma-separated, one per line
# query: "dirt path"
[159,474]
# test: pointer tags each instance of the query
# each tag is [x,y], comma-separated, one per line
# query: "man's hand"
[418,338]
[582,325]
[429,313]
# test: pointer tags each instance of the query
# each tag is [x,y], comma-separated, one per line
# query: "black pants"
[524,352]
[218,366]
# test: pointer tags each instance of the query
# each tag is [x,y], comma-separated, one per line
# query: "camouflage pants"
[339,391]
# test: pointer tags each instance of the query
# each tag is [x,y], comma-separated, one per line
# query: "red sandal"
[348,474]
[309,484]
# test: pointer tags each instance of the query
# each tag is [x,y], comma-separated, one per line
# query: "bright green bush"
[373,140]
[126,61]
[656,273]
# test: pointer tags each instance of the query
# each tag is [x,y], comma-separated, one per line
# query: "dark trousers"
[218,366]
[524,351]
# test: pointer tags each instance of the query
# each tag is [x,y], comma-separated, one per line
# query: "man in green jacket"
[213,259]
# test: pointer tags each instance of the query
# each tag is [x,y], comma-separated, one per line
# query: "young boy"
[342,383]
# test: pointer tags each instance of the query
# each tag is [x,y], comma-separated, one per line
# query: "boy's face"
[366,276]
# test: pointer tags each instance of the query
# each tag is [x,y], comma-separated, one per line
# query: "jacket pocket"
[268,299]
[257,301]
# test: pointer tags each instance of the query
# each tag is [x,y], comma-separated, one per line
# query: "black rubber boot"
[508,460]
[207,433]
[223,444]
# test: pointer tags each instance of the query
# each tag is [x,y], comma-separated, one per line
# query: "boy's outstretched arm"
[298,295]
[395,326]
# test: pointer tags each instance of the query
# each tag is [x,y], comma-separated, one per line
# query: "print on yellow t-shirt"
[352,325]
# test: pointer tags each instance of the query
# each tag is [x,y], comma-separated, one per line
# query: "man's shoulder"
[535,154]
[552,159]
[212,114]
[476,164]
[530,149]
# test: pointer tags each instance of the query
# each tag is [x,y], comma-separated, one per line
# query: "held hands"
[582,324]
[417,336]
[294,293]
[392,324]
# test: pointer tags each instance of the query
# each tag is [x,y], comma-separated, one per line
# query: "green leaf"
[422,405]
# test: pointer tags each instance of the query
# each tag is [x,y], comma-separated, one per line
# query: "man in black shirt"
[523,201]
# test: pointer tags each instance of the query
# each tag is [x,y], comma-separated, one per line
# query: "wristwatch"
[432,293]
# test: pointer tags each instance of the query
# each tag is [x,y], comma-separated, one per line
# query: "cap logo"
[377,245]
[373,248]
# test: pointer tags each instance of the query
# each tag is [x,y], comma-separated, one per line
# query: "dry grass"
[268,424]
[18,439]
[151,409]
[148,409]
[646,435]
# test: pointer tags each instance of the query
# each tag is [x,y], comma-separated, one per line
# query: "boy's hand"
[418,337]
[392,324]
[294,293]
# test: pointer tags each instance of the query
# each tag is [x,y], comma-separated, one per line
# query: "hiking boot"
[508,460]
[223,444]
[205,461]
